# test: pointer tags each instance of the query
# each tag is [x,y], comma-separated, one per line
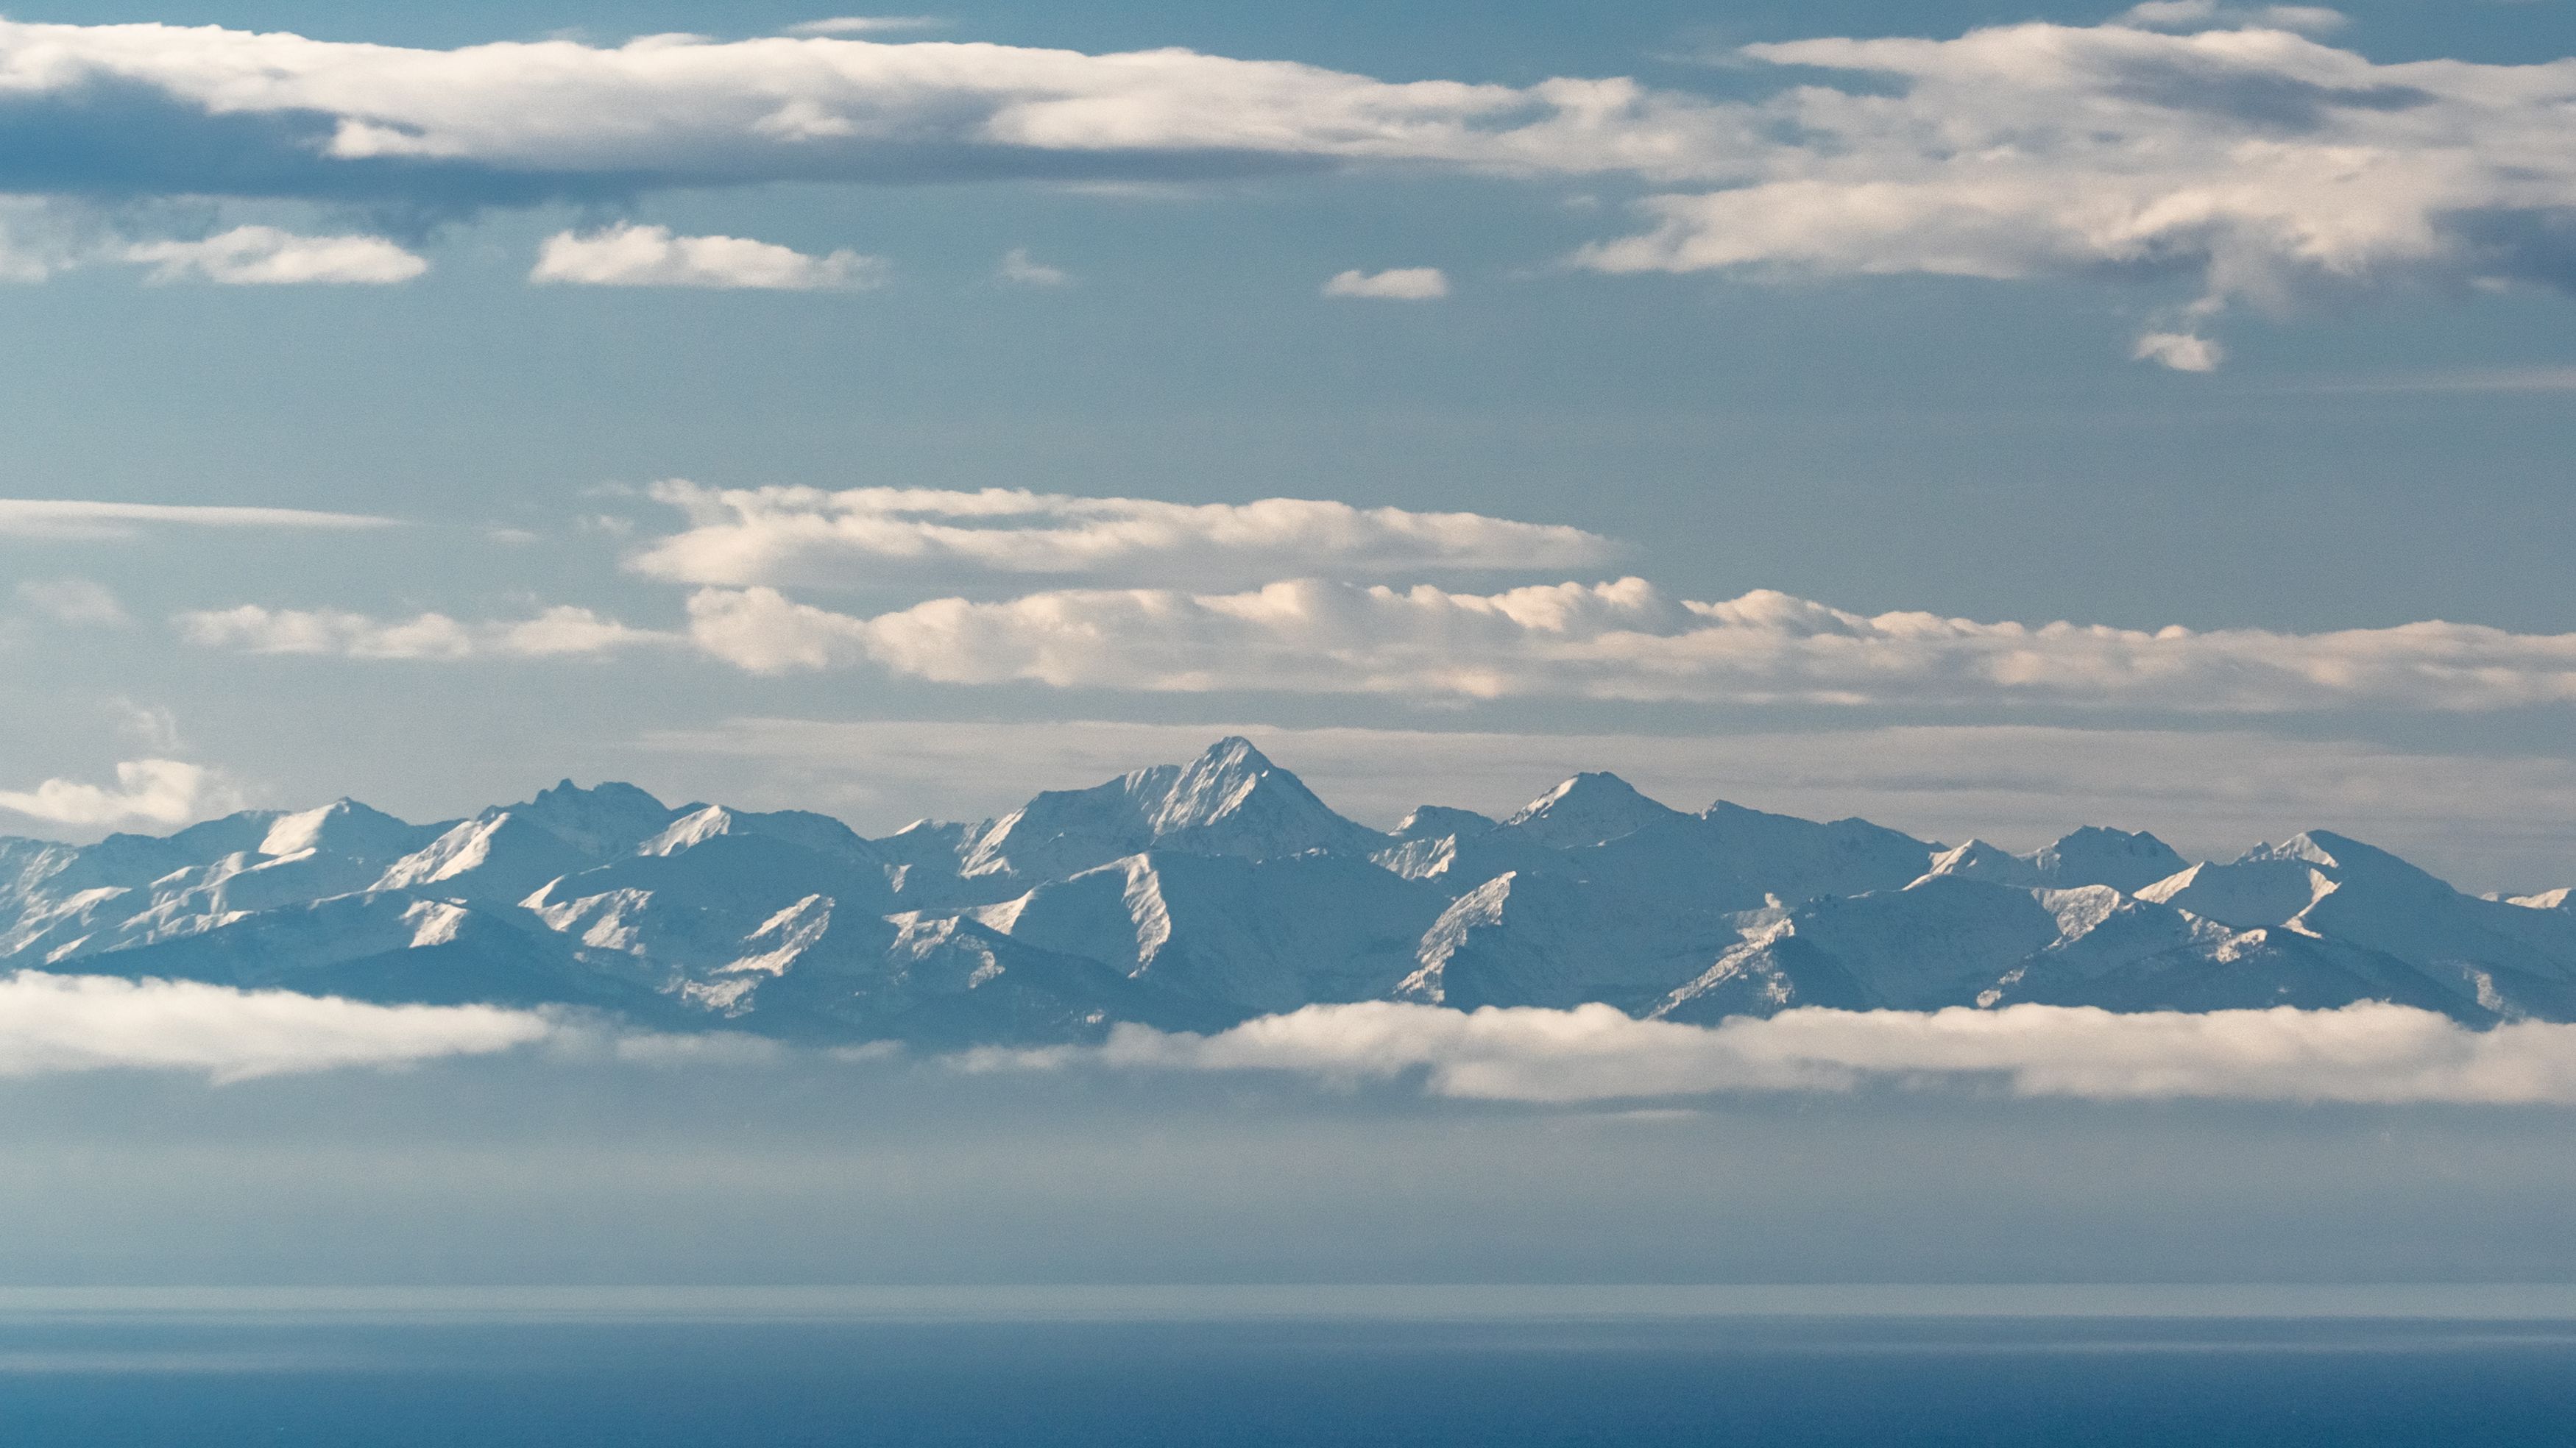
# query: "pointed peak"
[1590,809]
[1236,752]
[1590,786]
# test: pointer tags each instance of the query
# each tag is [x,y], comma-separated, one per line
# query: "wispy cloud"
[165,792]
[2180,351]
[85,518]
[555,633]
[866,24]
[2362,1053]
[51,1024]
[1400,284]
[650,256]
[2197,15]
[1023,270]
[81,602]
[808,535]
[267,256]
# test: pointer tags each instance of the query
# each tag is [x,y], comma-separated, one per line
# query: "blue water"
[395,1379]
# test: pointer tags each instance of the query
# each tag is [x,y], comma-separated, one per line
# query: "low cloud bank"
[2364,1053]
[51,1024]
[2370,1053]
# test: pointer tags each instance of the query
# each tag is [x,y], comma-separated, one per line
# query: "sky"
[1987,421]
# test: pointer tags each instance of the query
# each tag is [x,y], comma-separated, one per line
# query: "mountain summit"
[1196,895]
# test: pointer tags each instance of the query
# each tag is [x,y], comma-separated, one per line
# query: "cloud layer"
[2362,1053]
[51,1024]
[807,535]
[164,792]
[1628,640]
[650,256]
[2223,144]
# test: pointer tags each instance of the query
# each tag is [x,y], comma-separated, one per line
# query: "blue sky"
[1973,414]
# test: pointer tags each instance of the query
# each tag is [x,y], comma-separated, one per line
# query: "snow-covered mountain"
[1194,896]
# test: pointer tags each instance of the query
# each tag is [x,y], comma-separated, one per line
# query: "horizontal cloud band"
[2363,1053]
[1626,640]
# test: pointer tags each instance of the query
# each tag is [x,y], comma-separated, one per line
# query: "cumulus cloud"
[51,1024]
[164,792]
[76,518]
[555,633]
[809,535]
[267,256]
[650,256]
[2362,1053]
[80,602]
[1022,270]
[1399,284]
[1629,640]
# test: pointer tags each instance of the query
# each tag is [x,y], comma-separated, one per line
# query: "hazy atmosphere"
[2089,483]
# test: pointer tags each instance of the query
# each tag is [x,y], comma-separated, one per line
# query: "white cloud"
[80,602]
[87,519]
[51,1024]
[1020,269]
[2362,1053]
[267,256]
[761,630]
[650,256]
[165,792]
[865,24]
[787,535]
[555,633]
[2180,351]
[1628,640]
[1399,284]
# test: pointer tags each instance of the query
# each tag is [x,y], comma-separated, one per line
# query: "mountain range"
[1196,896]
